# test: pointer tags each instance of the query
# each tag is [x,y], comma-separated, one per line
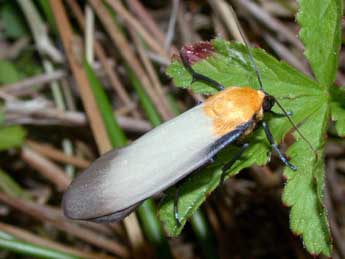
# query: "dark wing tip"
[68,208]
[72,211]
[83,198]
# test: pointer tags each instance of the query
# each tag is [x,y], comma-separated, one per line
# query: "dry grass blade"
[126,51]
[271,22]
[25,87]
[146,19]
[56,154]
[90,104]
[46,168]
[158,88]
[286,54]
[35,112]
[100,53]
[132,22]
[223,9]
[88,99]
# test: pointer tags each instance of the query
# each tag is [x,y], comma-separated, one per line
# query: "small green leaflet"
[12,136]
[8,73]
[230,66]
[304,190]
[320,22]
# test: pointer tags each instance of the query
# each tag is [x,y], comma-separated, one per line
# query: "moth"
[120,180]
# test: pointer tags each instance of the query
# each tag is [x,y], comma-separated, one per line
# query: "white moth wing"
[122,178]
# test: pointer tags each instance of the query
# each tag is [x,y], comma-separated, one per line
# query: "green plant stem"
[152,228]
[115,133]
[33,250]
[144,99]
[203,234]
[48,13]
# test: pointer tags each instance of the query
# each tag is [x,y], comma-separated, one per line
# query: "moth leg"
[231,162]
[176,198]
[275,147]
[289,113]
[199,77]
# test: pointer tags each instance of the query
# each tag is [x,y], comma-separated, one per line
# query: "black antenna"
[251,58]
[249,52]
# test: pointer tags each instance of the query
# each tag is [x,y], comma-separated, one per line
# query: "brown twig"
[20,112]
[100,53]
[133,23]
[265,177]
[150,23]
[219,27]
[90,104]
[224,10]
[271,22]
[286,54]
[128,54]
[96,122]
[172,24]
[146,19]
[46,168]
[157,86]
[25,86]
[56,154]
[14,49]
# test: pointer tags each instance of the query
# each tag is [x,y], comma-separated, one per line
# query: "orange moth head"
[235,106]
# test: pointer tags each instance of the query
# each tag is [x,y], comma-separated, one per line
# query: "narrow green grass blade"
[115,133]
[144,99]
[33,250]
[48,13]
[152,228]
[204,235]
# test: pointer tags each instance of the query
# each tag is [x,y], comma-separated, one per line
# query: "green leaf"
[12,136]
[8,73]
[338,109]
[230,66]
[320,22]
[12,21]
[304,188]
